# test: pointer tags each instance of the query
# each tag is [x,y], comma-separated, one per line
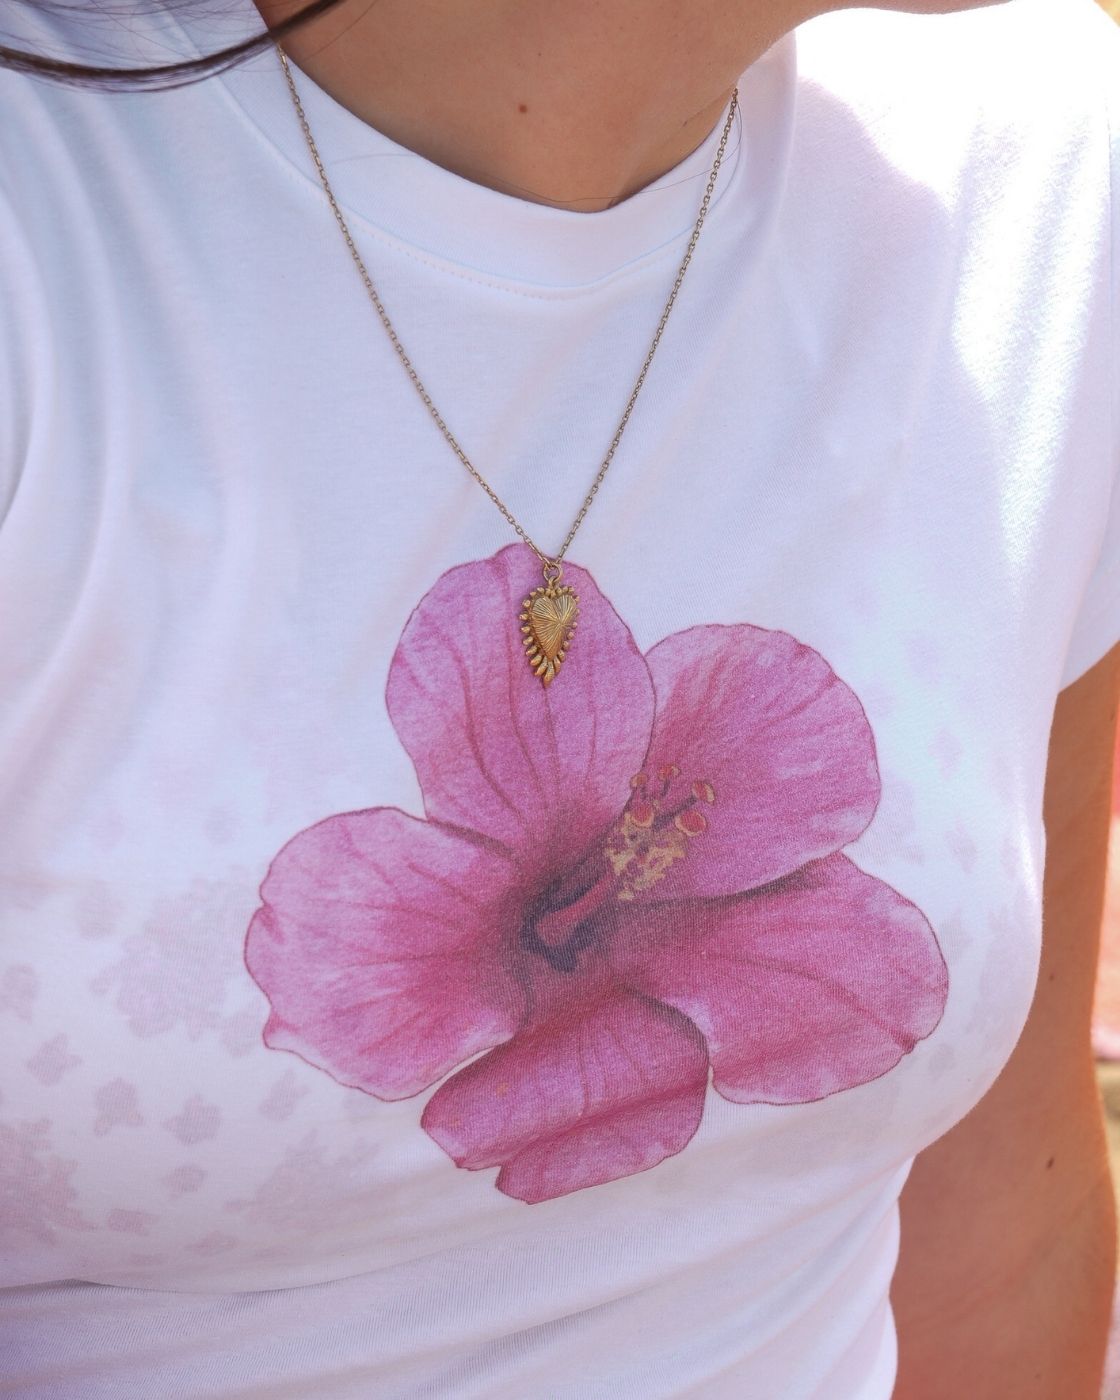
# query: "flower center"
[570,915]
[664,816]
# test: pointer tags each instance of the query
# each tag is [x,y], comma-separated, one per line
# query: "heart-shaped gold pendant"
[548,620]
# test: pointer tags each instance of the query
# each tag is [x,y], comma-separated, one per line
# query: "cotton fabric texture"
[376,1022]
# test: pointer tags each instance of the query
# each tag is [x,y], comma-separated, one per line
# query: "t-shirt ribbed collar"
[412,200]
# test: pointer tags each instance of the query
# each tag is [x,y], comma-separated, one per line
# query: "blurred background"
[1106,1009]
[1106,1019]
[1106,1012]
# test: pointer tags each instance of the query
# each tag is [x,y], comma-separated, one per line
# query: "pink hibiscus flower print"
[623,886]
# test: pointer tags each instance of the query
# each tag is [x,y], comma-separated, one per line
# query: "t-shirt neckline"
[410,200]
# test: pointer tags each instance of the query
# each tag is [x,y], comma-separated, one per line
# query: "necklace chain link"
[551,563]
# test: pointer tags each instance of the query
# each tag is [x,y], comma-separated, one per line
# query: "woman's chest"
[331,932]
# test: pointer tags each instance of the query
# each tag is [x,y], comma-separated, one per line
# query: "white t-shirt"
[379,1022]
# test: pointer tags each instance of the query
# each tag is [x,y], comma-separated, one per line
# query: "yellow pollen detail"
[640,855]
[654,831]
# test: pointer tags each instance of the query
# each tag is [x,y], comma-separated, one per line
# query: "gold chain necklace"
[549,613]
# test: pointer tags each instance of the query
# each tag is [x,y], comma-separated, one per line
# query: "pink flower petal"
[761,759]
[380,948]
[574,1103]
[813,985]
[543,771]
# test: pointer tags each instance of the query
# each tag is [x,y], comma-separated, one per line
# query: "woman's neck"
[576,105]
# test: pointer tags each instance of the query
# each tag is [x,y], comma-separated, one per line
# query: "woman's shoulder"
[1000,124]
[982,85]
[999,49]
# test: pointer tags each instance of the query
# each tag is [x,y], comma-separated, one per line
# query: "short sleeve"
[1097,626]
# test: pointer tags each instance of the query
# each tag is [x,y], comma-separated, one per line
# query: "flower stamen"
[656,828]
